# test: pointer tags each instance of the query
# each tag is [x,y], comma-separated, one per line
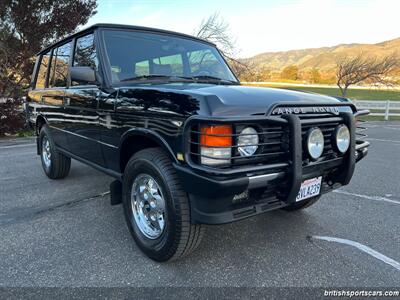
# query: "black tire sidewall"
[162,246]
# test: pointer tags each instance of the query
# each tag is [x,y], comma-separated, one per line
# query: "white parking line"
[383,140]
[15,154]
[17,146]
[375,198]
[361,247]
[395,127]
[392,128]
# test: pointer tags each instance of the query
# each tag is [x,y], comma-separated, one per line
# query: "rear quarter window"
[42,74]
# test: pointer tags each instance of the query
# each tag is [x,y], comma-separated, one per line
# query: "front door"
[81,104]
[83,123]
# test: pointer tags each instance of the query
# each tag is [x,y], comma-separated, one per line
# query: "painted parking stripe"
[395,127]
[17,146]
[375,198]
[361,247]
[383,140]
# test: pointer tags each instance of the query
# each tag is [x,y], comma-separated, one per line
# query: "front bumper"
[217,199]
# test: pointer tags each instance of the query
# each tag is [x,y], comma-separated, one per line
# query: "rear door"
[54,95]
[47,96]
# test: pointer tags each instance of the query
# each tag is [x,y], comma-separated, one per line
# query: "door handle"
[67,101]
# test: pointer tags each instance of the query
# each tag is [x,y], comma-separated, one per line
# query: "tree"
[216,30]
[361,68]
[315,76]
[290,72]
[263,74]
[26,26]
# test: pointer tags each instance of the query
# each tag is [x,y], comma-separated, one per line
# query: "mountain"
[324,59]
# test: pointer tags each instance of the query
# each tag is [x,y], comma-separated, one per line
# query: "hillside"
[324,59]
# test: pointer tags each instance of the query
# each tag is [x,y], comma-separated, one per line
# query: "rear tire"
[157,209]
[301,205]
[55,165]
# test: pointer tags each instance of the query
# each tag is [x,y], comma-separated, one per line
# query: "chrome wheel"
[46,153]
[148,206]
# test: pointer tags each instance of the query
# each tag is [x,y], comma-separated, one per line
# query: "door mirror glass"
[83,75]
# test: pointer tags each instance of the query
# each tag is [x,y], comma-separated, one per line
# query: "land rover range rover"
[163,114]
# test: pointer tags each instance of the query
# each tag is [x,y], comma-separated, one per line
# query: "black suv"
[163,114]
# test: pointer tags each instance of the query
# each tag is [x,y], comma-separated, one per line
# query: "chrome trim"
[364,144]
[148,206]
[47,114]
[84,137]
[262,180]
[46,152]
[362,113]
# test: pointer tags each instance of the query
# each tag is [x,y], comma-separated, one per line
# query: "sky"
[260,26]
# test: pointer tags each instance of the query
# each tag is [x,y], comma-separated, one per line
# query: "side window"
[59,68]
[41,76]
[85,53]
[168,65]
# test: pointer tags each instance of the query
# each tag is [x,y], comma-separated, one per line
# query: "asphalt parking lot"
[65,233]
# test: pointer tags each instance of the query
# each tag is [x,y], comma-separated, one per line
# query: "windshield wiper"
[155,77]
[209,78]
[199,78]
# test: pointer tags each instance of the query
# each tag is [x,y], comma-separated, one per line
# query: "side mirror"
[84,75]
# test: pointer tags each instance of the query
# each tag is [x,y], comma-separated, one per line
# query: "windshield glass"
[136,55]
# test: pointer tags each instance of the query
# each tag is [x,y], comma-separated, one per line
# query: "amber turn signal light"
[216,136]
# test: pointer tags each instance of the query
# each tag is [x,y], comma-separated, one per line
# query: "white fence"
[380,108]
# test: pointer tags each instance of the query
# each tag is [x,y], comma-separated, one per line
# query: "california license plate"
[309,188]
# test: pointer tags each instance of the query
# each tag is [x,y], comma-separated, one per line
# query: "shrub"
[12,118]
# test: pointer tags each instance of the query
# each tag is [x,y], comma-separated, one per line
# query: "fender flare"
[137,132]
[40,116]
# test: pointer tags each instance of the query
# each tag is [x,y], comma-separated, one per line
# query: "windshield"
[144,56]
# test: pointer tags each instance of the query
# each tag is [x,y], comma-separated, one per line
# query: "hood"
[236,100]
[228,100]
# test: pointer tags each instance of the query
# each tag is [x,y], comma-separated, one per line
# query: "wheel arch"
[40,121]
[137,139]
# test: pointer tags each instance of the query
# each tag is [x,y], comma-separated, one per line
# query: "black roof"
[121,26]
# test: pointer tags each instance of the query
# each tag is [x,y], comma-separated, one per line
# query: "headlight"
[315,143]
[248,141]
[215,145]
[342,136]
[215,156]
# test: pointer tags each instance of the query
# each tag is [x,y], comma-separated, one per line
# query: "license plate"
[309,188]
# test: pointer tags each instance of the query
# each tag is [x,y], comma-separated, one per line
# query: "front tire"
[156,207]
[55,165]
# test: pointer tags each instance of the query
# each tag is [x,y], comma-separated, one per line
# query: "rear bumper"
[217,199]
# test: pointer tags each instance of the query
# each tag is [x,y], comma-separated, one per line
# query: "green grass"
[379,118]
[359,94]
[26,133]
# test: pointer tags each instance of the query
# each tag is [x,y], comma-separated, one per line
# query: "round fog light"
[342,135]
[315,143]
[248,141]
